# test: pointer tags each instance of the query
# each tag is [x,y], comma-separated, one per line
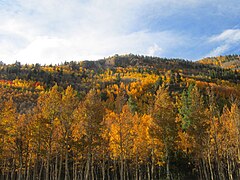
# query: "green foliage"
[132,105]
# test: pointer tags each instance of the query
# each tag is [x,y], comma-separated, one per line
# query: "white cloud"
[218,51]
[154,50]
[227,39]
[58,30]
[52,31]
[45,49]
[228,36]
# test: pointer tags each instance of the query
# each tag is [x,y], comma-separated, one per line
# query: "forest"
[121,117]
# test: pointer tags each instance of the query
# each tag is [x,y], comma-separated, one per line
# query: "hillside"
[226,62]
[122,117]
[84,75]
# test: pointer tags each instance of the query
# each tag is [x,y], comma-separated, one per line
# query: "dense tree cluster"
[122,122]
[230,61]
[65,137]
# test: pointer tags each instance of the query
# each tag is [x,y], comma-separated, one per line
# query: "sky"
[54,31]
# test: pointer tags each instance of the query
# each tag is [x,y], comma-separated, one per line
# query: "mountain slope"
[122,117]
[227,62]
[127,69]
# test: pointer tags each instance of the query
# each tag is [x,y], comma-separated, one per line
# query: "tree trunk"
[60,167]
[47,166]
[13,170]
[152,164]
[103,168]
[210,167]
[115,170]
[229,169]
[159,172]
[148,172]
[40,172]
[204,169]
[20,168]
[136,168]
[66,165]
[124,169]
[167,165]
[28,169]
[75,168]
[108,169]
[92,167]
[121,167]
[87,167]
[56,168]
